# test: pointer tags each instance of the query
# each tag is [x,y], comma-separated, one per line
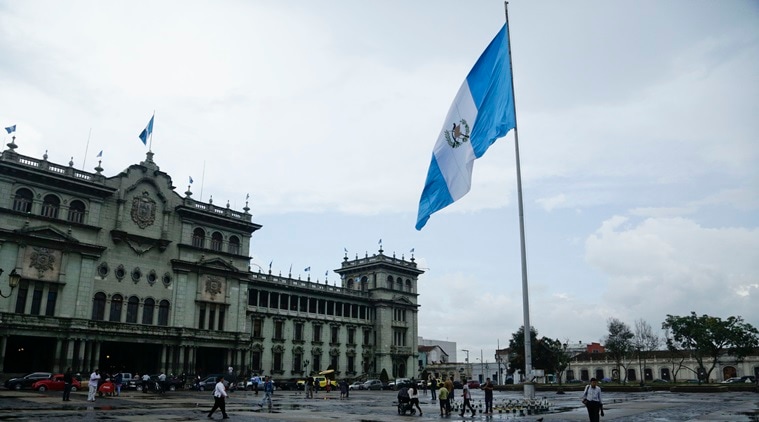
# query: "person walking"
[591,398]
[219,398]
[467,395]
[117,381]
[145,382]
[68,379]
[268,392]
[433,388]
[309,387]
[255,380]
[413,395]
[93,388]
[451,391]
[488,389]
[442,395]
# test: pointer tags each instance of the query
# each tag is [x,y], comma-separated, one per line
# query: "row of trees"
[702,338]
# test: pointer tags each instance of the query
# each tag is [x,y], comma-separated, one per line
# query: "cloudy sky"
[638,139]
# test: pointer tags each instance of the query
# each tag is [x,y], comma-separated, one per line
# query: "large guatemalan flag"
[482,112]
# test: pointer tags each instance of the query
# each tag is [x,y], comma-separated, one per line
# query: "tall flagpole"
[529,387]
[86,149]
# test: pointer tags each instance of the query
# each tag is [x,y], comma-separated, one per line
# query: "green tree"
[618,344]
[545,352]
[707,337]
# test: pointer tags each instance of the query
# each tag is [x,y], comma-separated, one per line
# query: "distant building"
[124,273]
[449,347]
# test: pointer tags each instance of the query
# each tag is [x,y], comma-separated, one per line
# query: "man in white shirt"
[591,398]
[94,379]
[162,382]
[467,395]
[219,396]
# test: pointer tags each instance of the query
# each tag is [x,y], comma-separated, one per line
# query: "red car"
[55,383]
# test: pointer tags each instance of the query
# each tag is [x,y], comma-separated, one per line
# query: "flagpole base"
[529,390]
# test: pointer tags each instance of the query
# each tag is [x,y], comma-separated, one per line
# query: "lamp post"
[467,358]
[13,279]
[499,360]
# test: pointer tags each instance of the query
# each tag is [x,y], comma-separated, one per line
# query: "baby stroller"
[404,402]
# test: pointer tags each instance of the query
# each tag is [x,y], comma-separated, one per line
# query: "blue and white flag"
[100,154]
[10,129]
[145,134]
[191,180]
[307,269]
[482,112]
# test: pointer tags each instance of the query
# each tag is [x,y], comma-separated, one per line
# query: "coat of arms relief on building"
[143,210]
[213,286]
[43,261]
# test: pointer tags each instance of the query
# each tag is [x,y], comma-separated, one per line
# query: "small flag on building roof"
[10,129]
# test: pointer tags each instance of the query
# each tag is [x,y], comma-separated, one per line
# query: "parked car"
[659,381]
[373,385]
[321,381]
[743,379]
[402,382]
[55,383]
[209,383]
[26,381]
[358,385]
[473,384]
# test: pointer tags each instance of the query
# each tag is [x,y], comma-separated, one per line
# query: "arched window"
[399,284]
[132,306]
[98,306]
[408,285]
[76,211]
[234,245]
[50,206]
[198,237]
[163,313]
[22,201]
[116,303]
[216,241]
[390,282]
[147,311]
[350,283]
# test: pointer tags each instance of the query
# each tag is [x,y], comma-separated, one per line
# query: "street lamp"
[467,358]
[499,360]
[13,279]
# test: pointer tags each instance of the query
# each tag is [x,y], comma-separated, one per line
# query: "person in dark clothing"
[433,388]
[488,389]
[68,379]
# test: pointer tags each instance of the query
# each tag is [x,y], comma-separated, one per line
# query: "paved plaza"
[366,406]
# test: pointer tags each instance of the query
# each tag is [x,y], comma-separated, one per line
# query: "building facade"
[124,273]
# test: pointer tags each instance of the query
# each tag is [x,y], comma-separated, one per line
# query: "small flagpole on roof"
[150,148]
[529,387]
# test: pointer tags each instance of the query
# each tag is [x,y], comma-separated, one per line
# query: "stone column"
[68,362]
[57,360]
[180,363]
[96,355]
[3,343]
[163,363]
[86,352]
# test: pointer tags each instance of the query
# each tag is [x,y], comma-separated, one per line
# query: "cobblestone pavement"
[365,406]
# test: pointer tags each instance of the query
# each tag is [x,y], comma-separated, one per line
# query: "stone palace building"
[124,273]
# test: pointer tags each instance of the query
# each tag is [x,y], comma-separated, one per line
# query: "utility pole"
[467,358]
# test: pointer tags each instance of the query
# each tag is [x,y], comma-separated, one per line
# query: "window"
[408,286]
[317,333]
[278,329]
[351,336]
[399,337]
[211,317]
[367,337]
[116,302]
[36,300]
[252,297]
[335,337]
[263,299]
[277,364]
[98,306]
[351,364]
[23,291]
[147,311]
[216,241]
[133,304]
[76,211]
[198,237]
[221,319]
[399,285]
[50,206]
[202,317]
[390,282]
[163,313]
[234,245]
[258,326]
[333,362]
[297,362]
[316,363]
[298,331]
[23,200]
[273,300]
[255,360]
[52,297]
